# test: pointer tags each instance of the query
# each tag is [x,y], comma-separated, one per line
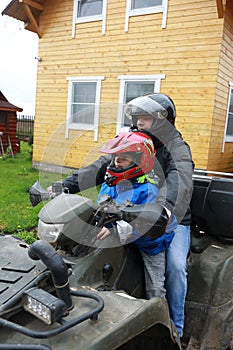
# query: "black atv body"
[103,304]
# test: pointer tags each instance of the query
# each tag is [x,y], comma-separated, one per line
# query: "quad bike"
[70,291]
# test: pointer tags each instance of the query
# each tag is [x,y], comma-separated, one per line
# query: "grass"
[17,216]
[16,177]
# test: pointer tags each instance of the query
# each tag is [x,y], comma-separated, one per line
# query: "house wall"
[218,160]
[187,52]
[10,129]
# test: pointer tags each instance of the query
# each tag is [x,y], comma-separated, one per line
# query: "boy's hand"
[104,232]
[50,190]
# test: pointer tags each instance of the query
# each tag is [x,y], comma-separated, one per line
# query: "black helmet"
[159,106]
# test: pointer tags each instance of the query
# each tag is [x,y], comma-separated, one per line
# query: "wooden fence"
[25,126]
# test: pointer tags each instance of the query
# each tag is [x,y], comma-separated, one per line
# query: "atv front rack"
[93,315]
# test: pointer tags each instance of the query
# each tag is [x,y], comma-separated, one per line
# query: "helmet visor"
[144,105]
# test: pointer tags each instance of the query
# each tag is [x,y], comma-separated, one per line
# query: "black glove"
[150,219]
[160,227]
[37,194]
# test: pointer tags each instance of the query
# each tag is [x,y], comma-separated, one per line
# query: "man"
[155,114]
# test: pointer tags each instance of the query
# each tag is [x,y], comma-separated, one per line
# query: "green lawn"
[16,177]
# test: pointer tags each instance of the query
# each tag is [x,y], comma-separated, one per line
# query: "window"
[89,11]
[229,118]
[134,86]
[3,118]
[83,104]
[145,7]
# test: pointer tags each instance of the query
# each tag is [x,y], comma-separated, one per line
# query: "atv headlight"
[49,232]
[43,305]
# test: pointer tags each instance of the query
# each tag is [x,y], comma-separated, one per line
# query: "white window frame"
[134,78]
[146,11]
[228,138]
[81,126]
[101,17]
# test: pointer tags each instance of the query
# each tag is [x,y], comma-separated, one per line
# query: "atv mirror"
[37,194]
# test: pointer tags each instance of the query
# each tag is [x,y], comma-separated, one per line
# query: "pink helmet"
[142,148]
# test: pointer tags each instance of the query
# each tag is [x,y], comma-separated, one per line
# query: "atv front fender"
[126,323]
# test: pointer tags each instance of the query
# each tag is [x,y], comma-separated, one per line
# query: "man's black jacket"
[173,166]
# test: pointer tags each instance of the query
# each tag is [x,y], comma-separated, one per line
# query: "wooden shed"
[96,55]
[8,125]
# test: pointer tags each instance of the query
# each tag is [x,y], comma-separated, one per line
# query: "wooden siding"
[187,52]
[217,160]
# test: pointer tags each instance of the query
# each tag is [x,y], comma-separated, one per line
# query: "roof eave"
[221,8]
[27,11]
[16,109]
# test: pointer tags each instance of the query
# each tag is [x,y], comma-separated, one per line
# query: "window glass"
[3,117]
[82,114]
[231,102]
[229,131]
[230,125]
[83,102]
[133,90]
[137,4]
[89,8]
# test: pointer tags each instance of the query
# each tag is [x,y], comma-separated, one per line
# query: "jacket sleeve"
[87,177]
[177,184]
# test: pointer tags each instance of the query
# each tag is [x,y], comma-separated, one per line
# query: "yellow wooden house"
[96,55]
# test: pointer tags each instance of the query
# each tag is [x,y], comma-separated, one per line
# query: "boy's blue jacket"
[141,191]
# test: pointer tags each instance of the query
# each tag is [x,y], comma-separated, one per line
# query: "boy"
[128,178]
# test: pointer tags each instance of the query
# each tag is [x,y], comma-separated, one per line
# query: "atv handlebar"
[142,217]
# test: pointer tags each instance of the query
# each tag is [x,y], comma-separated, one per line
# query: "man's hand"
[149,219]
[160,227]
